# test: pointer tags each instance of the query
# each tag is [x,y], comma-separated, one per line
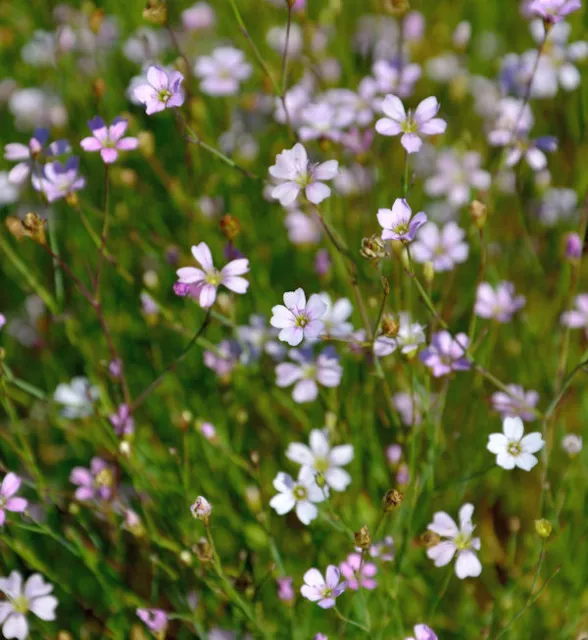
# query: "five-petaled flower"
[108,140]
[163,90]
[399,223]
[513,448]
[300,495]
[323,591]
[8,502]
[446,353]
[297,318]
[554,10]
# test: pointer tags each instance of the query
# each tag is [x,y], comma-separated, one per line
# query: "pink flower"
[350,569]
[320,590]
[285,591]
[423,632]
[97,482]
[574,246]
[108,140]
[199,16]
[398,223]
[498,303]
[162,91]
[519,403]
[554,10]
[2,320]
[422,123]
[209,279]
[222,72]
[443,247]
[155,619]
[122,421]
[446,354]
[577,318]
[299,319]
[10,485]
[308,373]
[294,173]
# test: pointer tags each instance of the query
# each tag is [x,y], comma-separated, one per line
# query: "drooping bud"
[373,248]
[543,528]
[392,500]
[362,538]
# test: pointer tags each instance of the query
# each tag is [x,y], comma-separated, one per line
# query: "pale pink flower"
[423,632]
[163,90]
[357,575]
[554,10]
[323,591]
[108,140]
[577,318]
[8,502]
[443,247]
[498,303]
[298,319]
[222,72]
[398,223]
[154,619]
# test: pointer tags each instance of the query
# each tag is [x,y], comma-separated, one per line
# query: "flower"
[34,597]
[321,458]
[577,318]
[533,152]
[410,334]
[498,303]
[554,10]
[305,375]
[513,120]
[27,155]
[77,398]
[122,421]
[285,591]
[108,140]
[155,619]
[383,550]
[394,453]
[209,279]
[518,403]
[97,482]
[222,72]
[397,222]
[163,90]
[408,406]
[422,123]
[574,247]
[423,632]
[321,590]
[572,444]
[358,575]
[293,173]
[199,16]
[59,180]
[300,495]
[224,359]
[201,509]
[2,320]
[10,485]
[446,354]
[512,448]
[459,540]
[444,247]
[298,319]
[336,316]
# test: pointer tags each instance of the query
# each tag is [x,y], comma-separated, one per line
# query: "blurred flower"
[298,319]
[208,431]
[336,316]
[302,228]
[34,597]
[27,155]
[572,444]
[557,204]
[446,354]
[208,279]
[225,359]
[323,591]
[199,16]
[322,262]
[300,495]
[394,453]
[554,10]
[108,140]
[403,474]
[10,485]
[321,120]
[355,179]
[459,540]
[305,375]
[2,320]
[201,509]
[256,338]
[533,152]
[294,172]
[163,90]
[513,120]
[321,458]
[512,448]
[276,38]
[146,45]
[410,335]
[358,575]
[154,619]
[444,248]
[285,591]
[498,303]
[396,77]
[383,550]
[9,193]
[577,318]
[574,246]
[77,397]
[398,223]
[148,304]
[122,421]
[97,482]
[33,107]
[517,404]
[422,123]
[423,632]
[59,180]
[222,72]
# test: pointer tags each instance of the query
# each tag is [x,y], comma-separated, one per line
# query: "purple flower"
[403,475]
[162,91]
[498,303]
[222,72]
[299,319]
[122,421]
[285,591]
[423,632]
[322,262]
[321,590]
[115,368]
[534,152]
[97,482]
[394,453]
[398,76]
[574,246]
[408,406]
[307,374]
[444,248]
[155,619]
[350,568]
[2,320]
[397,222]
[108,140]
[27,155]
[518,403]
[577,318]
[225,359]
[446,354]
[554,10]
[10,485]
[514,119]
[422,123]
[59,180]
[294,173]
[384,550]
[209,279]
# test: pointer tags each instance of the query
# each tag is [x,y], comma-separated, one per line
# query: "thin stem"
[286,45]
[348,621]
[386,293]
[442,592]
[57,273]
[103,237]
[424,295]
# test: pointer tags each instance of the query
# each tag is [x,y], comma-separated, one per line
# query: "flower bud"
[392,500]
[204,551]
[34,228]
[390,325]
[362,538]
[186,557]
[479,213]
[230,226]
[155,12]
[394,453]
[373,248]
[285,590]
[574,247]
[396,7]
[543,528]
[201,509]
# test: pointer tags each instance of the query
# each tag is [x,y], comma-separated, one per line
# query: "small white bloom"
[513,448]
[77,397]
[336,316]
[410,334]
[572,444]
[299,495]
[321,458]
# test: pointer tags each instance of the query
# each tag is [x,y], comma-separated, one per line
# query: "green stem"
[348,621]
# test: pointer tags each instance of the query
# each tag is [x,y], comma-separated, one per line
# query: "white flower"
[77,397]
[336,316]
[293,173]
[459,540]
[299,495]
[319,457]
[513,448]
[34,598]
[572,444]
[410,334]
